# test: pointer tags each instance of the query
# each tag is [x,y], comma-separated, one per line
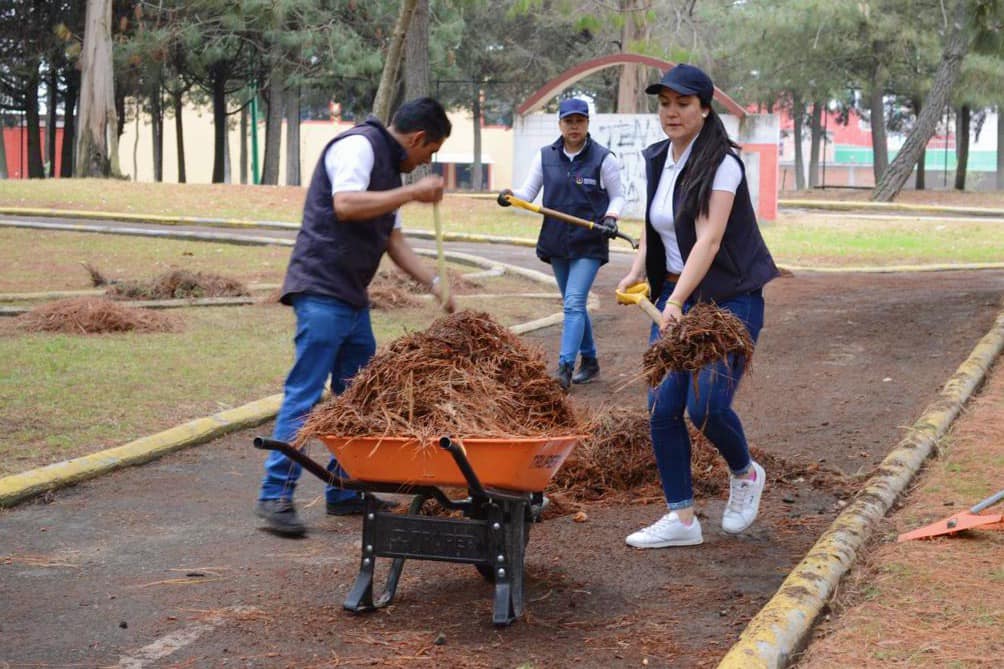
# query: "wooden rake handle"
[567,218]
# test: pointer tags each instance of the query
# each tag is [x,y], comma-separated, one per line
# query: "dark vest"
[573,187]
[339,259]
[742,265]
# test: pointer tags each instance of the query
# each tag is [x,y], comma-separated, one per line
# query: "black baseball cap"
[686,80]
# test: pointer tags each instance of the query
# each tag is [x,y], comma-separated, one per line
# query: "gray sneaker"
[280,517]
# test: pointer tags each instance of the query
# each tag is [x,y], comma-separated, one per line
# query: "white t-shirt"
[727,178]
[349,163]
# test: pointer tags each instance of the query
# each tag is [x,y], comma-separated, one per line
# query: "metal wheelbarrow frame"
[492,535]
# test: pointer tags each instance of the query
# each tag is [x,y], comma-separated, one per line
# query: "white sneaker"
[667,531]
[744,501]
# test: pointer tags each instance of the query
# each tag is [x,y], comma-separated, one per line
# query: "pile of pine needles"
[93,315]
[173,285]
[466,376]
[704,335]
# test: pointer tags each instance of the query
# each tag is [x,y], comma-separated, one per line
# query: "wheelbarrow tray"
[520,463]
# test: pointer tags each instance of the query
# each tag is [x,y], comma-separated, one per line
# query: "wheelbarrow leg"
[360,598]
[509,543]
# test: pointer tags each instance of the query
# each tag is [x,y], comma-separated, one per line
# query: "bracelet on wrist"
[676,304]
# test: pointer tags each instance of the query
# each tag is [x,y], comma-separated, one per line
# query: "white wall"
[624,134]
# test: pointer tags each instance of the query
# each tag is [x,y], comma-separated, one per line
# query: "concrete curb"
[782,626]
[19,487]
[841,205]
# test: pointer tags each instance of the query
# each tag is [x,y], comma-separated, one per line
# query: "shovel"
[967,520]
[638,294]
[567,218]
[444,281]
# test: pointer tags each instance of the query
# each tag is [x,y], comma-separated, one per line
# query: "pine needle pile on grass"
[393,290]
[93,315]
[704,335]
[466,376]
[178,284]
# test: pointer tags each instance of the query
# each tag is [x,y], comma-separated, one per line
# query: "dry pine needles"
[93,315]
[704,335]
[466,376]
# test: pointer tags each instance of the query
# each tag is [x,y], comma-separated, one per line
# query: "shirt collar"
[671,164]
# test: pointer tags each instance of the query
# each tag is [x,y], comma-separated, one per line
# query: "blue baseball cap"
[686,80]
[573,106]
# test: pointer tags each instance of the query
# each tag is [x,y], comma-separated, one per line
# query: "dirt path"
[165,564]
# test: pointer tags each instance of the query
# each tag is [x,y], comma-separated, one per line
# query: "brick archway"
[559,83]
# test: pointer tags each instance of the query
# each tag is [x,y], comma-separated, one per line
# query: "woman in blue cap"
[701,243]
[581,178]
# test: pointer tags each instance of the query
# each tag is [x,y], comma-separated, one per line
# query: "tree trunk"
[293,136]
[956,45]
[1000,147]
[97,142]
[417,80]
[631,98]
[179,135]
[797,111]
[51,122]
[476,169]
[36,170]
[157,128]
[416,55]
[816,134]
[243,157]
[388,79]
[66,160]
[273,128]
[876,108]
[920,182]
[219,125]
[962,146]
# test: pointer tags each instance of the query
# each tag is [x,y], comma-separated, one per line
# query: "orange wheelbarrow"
[504,479]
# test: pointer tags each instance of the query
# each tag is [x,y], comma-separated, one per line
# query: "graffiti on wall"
[626,136]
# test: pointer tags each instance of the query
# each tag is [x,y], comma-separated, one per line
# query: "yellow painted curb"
[843,205]
[892,269]
[18,487]
[782,626]
[147,218]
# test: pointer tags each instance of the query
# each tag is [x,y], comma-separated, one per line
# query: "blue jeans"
[575,277]
[332,339]
[709,405]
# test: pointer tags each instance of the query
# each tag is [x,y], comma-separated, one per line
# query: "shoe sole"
[670,544]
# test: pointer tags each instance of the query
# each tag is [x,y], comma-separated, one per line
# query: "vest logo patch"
[585,181]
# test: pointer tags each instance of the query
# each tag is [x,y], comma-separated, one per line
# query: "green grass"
[828,241]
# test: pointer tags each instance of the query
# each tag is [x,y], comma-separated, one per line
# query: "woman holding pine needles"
[701,244]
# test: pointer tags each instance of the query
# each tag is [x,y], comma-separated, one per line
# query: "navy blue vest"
[339,259]
[742,265]
[573,187]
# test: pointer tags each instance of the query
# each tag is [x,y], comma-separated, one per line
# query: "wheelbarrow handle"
[300,458]
[567,218]
[460,457]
